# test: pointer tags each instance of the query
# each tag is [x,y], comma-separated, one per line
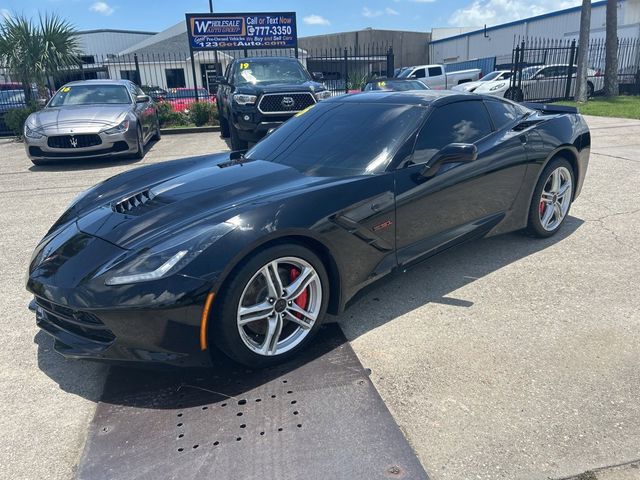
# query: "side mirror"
[271,130]
[413,76]
[452,153]
[142,98]
[317,76]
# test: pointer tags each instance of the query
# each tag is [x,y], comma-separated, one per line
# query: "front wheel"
[552,199]
[224,126]
[236,142]
[272,306]
[157,135]
[139,155]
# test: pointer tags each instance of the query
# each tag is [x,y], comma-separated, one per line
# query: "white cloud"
[367,12]
[493,12]
[315,20]
[102,8]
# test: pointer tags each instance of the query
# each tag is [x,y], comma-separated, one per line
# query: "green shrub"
[169,118]
[203,113]
[15,118]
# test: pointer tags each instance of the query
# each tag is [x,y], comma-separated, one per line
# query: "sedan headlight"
[120,128]
[242,99]
[30,133]
[323,95]
[496,87]
[169,256]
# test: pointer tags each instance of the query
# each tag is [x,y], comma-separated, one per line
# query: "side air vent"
[134,202]
[526,124]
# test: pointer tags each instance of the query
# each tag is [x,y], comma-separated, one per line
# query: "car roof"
[100,82]
[411,97]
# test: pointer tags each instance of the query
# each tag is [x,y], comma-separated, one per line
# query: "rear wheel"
[552,199]
[590,90]
[272,306]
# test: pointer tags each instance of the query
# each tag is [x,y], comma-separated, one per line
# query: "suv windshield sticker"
[248,76]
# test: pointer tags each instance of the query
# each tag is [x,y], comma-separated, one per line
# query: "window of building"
[175,77]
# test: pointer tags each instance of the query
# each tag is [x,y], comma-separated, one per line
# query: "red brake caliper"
[541,208]
[303,298]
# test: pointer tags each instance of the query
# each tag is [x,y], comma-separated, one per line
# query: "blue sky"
[314,17]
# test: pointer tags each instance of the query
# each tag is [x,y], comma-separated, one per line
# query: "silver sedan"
[92,119]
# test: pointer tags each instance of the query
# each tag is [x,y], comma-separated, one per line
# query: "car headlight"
[496,87]
[120,128]
[169,256]
[323,95]
[30,133]
[242,99]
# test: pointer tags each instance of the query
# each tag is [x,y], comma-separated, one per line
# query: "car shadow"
[89,163]
[429,282]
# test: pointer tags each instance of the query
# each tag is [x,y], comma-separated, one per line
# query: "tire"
[547,213]
[247,341]
[236,142]
[139,155]
[224,127]
[590,90]
[158,134]
[514,93]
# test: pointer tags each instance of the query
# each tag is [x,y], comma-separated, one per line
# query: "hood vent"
[135,204]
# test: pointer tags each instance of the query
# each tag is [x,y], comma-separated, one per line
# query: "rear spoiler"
[550,109]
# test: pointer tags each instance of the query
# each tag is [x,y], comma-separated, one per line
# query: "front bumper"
[149,322]
[253,126]
[110,145]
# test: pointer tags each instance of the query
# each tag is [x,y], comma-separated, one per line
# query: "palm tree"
[583,52]
[32,51]
[611,50]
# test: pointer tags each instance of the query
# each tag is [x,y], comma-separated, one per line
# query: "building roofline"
[524,20]
[115,30]
[366,30]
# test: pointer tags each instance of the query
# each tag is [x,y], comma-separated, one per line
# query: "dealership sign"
[229,31]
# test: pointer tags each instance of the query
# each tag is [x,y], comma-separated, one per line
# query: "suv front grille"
[78,323]
[74,141]
[285,102]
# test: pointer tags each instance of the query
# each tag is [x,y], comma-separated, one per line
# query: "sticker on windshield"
[244,65]
[248,76]
[382,84]
[66,89]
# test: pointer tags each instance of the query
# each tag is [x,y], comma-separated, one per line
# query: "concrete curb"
[175,131]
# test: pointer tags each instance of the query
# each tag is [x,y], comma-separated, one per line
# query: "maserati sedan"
[246,251]
[91,119]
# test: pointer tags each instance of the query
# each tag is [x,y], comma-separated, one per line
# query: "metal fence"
[180,80]
[545,70]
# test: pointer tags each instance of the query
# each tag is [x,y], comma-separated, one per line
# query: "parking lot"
[507,358]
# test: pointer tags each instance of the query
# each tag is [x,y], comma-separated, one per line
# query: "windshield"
[396,85]
[490,76]
[405,73]
[268,71]
[186,93]
[90,95]
[340,139]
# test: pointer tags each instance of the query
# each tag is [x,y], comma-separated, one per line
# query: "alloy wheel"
[555,198]
[279,306]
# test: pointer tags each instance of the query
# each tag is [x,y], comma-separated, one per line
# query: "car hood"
[78,119]
[276,87]
[468,86]
[486,87]
[210,189]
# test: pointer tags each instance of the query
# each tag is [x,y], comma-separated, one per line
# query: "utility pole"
[611,50]
[583,52]
[215,52]
[210,6]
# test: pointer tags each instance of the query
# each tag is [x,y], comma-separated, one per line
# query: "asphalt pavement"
[508,358]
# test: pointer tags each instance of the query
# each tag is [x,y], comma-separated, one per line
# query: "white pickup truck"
[437,77]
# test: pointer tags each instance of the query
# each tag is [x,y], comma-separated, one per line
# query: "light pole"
[210,6]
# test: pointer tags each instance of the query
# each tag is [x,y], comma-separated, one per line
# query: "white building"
[499,40]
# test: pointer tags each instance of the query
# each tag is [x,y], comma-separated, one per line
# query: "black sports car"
[248,251]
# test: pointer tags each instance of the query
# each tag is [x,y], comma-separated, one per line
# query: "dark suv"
[258,94]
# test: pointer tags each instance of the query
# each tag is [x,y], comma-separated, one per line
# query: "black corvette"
[248,252]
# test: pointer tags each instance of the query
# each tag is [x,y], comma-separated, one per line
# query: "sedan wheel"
[271,306]
[551,199]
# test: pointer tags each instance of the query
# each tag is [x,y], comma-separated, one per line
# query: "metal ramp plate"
[318,417]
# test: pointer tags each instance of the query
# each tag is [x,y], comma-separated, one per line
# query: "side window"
[502,113]
[460,122]
[544,73]
[419,73]
[435,71]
